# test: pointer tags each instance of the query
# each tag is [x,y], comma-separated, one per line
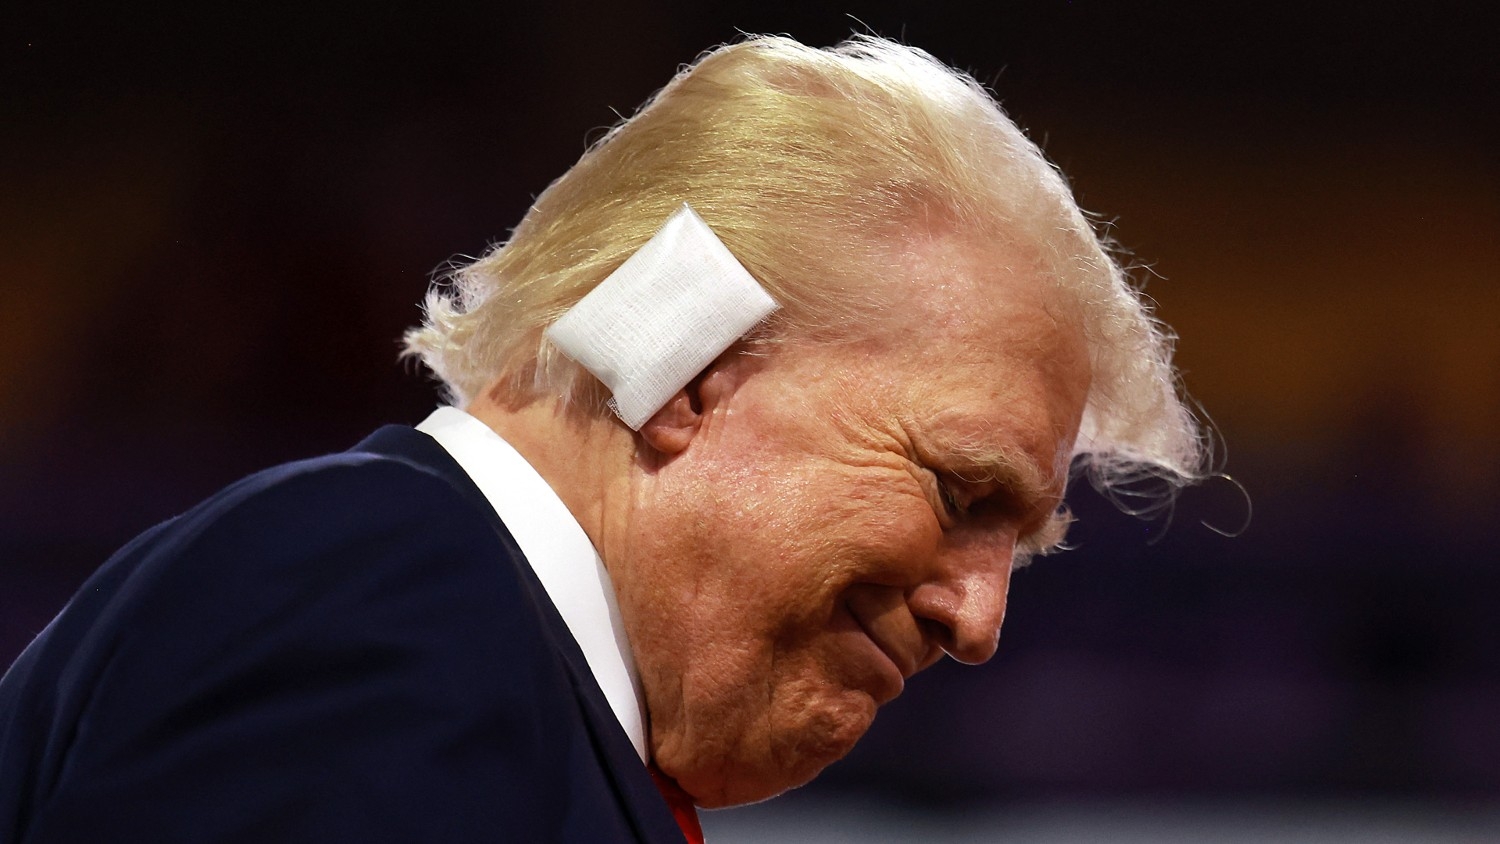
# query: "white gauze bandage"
[656,322]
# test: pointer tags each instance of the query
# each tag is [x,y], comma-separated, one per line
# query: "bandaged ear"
[660,319]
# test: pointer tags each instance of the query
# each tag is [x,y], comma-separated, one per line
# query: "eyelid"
[948,496]
[946,503]
[992,498]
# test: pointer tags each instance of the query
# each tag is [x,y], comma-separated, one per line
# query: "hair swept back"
[796,156]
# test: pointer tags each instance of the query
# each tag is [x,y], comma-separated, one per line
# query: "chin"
[794,755]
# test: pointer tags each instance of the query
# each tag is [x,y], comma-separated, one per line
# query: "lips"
[882,616]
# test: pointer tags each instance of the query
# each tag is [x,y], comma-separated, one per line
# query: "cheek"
[879,522]
[766,693]
[778,550]
[747,685]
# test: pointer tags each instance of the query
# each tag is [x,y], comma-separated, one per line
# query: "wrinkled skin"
[808,528]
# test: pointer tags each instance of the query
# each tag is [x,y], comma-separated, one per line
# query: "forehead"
[985,363]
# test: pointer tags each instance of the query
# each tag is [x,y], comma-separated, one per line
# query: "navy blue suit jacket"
[350,648]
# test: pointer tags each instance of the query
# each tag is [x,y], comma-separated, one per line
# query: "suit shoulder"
[356,606]
[318,526]
[346,481]
[336,547]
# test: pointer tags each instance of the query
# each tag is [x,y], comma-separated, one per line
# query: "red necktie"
[682,804]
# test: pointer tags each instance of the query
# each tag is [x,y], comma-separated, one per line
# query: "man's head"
[841,498]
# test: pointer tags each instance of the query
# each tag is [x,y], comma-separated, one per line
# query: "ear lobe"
[670,429]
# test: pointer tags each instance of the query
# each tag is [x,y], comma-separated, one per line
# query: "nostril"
[937,633]
[962,615]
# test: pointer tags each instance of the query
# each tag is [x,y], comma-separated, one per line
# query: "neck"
[585,461]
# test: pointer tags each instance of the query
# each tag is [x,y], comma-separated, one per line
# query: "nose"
[963,605]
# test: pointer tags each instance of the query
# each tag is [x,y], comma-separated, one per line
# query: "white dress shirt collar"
[559,552]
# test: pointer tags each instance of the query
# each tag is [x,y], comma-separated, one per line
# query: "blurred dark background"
[216,222]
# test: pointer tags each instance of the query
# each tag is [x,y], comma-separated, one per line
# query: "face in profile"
[841,517]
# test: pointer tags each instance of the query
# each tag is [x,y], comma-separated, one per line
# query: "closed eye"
[950,500]
[947,501]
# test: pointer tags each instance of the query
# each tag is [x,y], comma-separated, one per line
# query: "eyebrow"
[978,463]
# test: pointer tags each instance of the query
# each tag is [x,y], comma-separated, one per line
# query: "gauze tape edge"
[663,316]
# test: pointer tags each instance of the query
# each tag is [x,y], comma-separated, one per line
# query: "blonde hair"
[798,157]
